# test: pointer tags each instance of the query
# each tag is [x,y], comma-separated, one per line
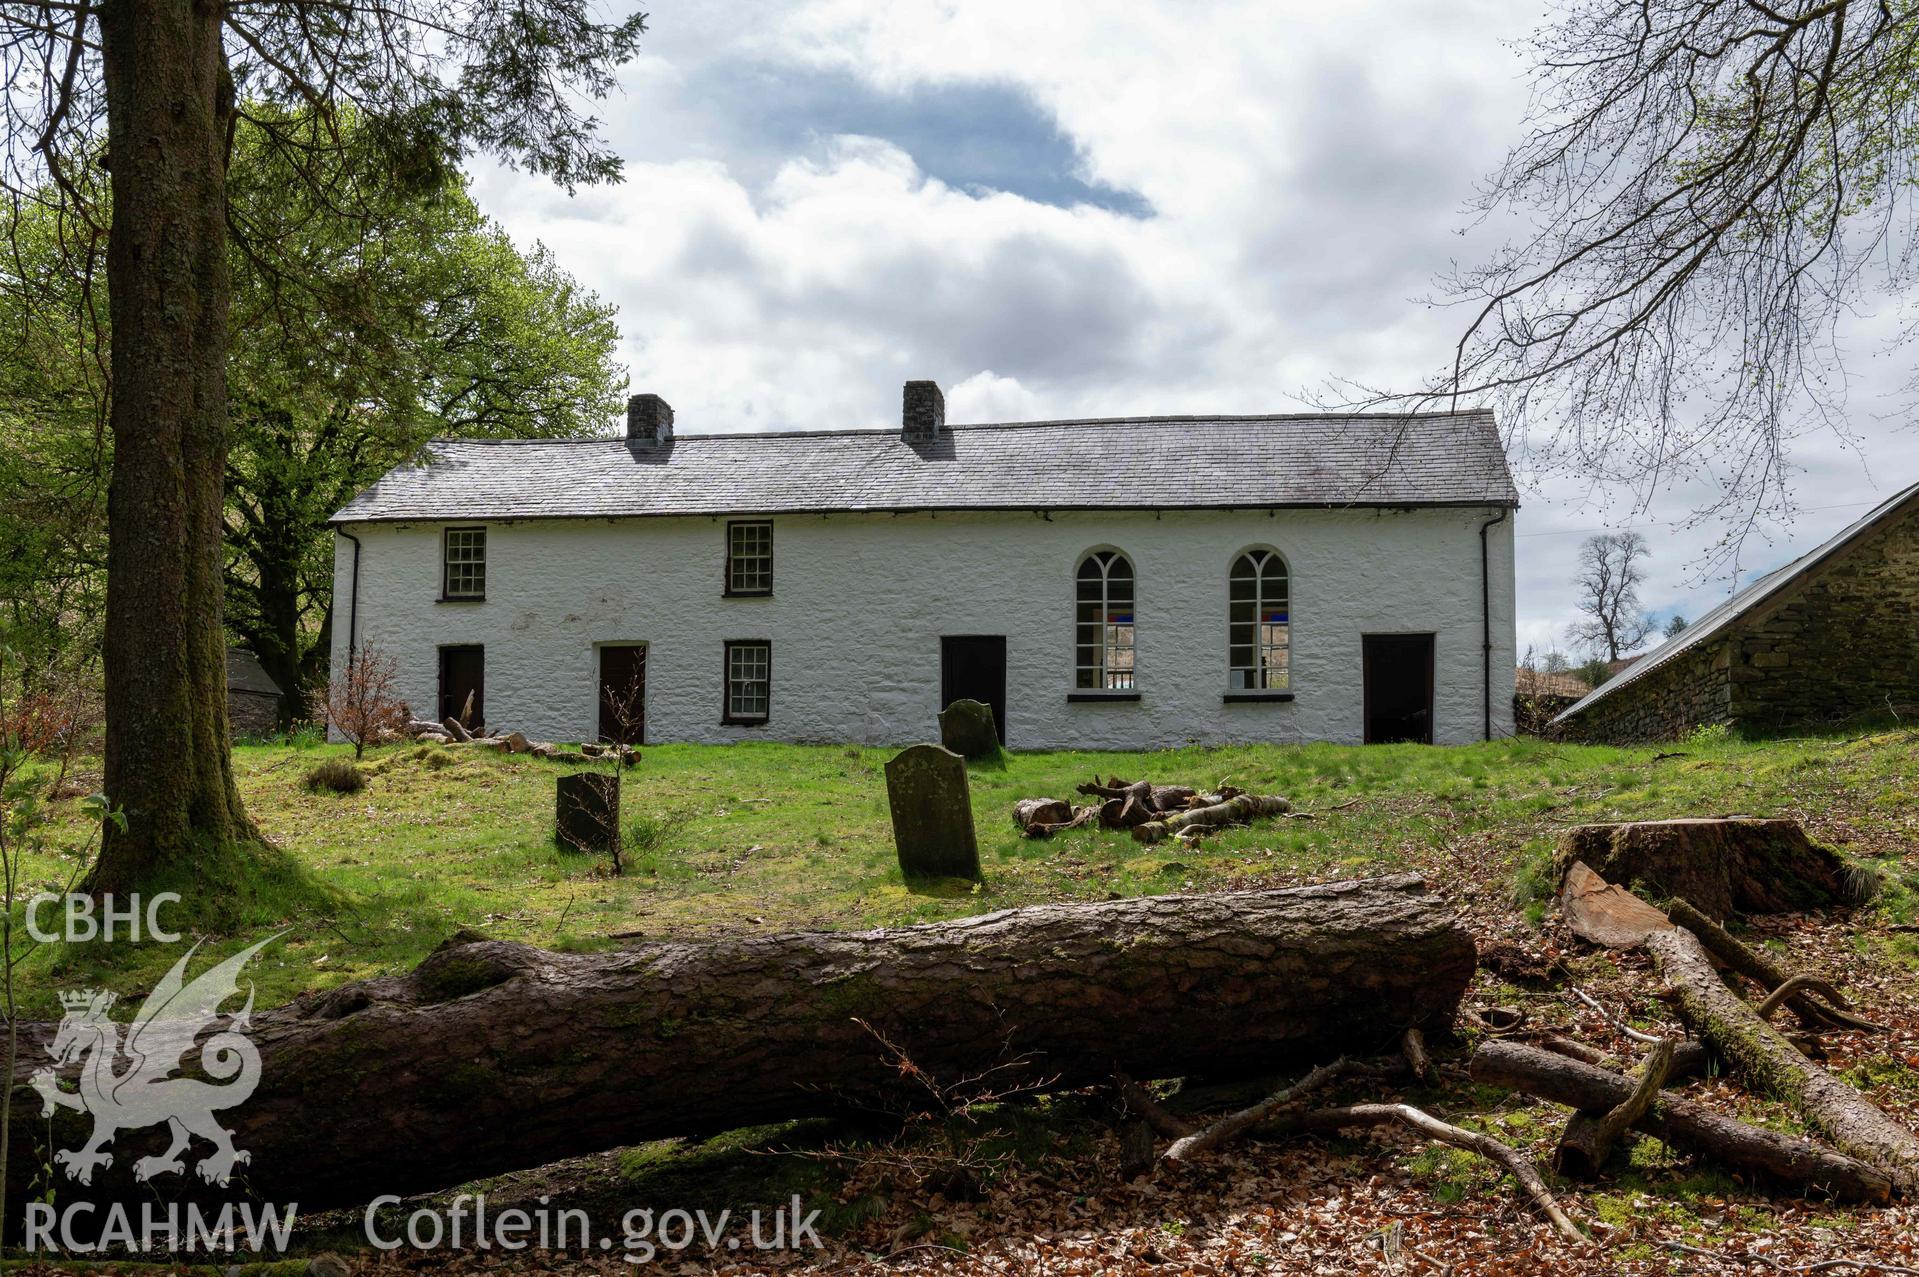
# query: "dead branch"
[1150,1110]
[1682,1123]
[1762,971]
[1516,1163]
[1413,1046]
[1233,1124]
[1588,1141]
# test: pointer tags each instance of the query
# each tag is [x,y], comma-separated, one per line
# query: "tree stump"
[586,815]
[1734,864]
[932,814]
[967,728]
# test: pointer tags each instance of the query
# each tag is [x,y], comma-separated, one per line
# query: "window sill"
[746,594]
[744,722]
[1093,698]
[1237,698]
[461,598]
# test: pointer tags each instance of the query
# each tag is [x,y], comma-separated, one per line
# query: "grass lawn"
[779,837]
[794,836]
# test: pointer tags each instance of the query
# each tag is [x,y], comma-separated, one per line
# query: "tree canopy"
[143,101]
[1709,188]
[353,340]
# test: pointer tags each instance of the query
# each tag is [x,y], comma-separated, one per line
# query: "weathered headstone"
[586,815]
[967,728]
[932,814]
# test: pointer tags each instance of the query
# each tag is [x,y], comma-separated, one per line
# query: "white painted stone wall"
[860,602]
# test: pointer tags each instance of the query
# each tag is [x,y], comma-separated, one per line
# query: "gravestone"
[586,815]
[932,814]
[967,728]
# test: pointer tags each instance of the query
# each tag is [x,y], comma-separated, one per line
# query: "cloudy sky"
[1061,208]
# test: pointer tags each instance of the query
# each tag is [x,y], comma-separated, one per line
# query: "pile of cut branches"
[1856,1153]
[1152,812]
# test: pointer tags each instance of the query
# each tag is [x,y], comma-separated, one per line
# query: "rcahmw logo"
[146,1093]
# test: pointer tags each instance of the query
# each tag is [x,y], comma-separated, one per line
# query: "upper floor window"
[749,681]
[1259,624]
[1105,622]
[749,557]
[463,563]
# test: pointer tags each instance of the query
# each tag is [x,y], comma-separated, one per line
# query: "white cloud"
[1305,166]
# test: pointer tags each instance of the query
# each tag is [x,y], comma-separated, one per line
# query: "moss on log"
[493,1056]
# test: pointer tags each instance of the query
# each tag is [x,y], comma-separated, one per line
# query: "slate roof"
[245,675]
[1729,612]
[1129,463]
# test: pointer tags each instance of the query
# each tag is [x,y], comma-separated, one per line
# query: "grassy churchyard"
[780,837]
[787,837]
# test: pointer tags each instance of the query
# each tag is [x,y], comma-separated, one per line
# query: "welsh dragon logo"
[144,1092]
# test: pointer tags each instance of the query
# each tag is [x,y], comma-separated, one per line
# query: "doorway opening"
[1399,688]
[463,685]
[623,694]
[973,668]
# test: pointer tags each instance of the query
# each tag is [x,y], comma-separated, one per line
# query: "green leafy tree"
[355,341]
[400,91]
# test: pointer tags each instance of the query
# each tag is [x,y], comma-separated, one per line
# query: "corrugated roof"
[1744,601]
[1129,463]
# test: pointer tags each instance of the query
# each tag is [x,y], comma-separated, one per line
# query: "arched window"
[1259,628]
[1105,618]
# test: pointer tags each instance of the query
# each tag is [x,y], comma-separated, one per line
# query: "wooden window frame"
[728,589]
[1263,666]
[446,564]
[1104,670]
[727,715]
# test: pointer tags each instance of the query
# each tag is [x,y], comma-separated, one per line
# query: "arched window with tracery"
[1259,624]
[1105,622]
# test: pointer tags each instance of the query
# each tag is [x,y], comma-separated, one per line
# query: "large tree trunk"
[169,100]
[1770,1063]
[494,1056]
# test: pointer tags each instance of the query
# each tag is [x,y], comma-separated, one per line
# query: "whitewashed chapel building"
[1122,584]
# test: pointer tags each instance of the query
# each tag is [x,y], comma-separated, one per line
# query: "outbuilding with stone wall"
[1830,636]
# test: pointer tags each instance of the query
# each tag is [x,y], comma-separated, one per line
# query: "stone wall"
[1692,690]
[251,715]
[1843,641]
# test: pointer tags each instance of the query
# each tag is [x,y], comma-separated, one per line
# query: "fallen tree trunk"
[1681,1122]
[493,1056]
[1772,1064]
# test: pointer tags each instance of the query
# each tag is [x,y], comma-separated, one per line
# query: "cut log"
[1044,812]
[1724,865]
[1681,1123]
[1603,913]
[1768,1062]
[494,1056]
[1234,811]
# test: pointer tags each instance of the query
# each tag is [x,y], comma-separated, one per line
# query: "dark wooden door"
[1399,688]
[973,668]
[463,673]
[623,695]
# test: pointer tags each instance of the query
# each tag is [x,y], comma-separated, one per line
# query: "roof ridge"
[855,432]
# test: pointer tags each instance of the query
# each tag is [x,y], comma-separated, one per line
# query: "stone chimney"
[922,412]
[649,420]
